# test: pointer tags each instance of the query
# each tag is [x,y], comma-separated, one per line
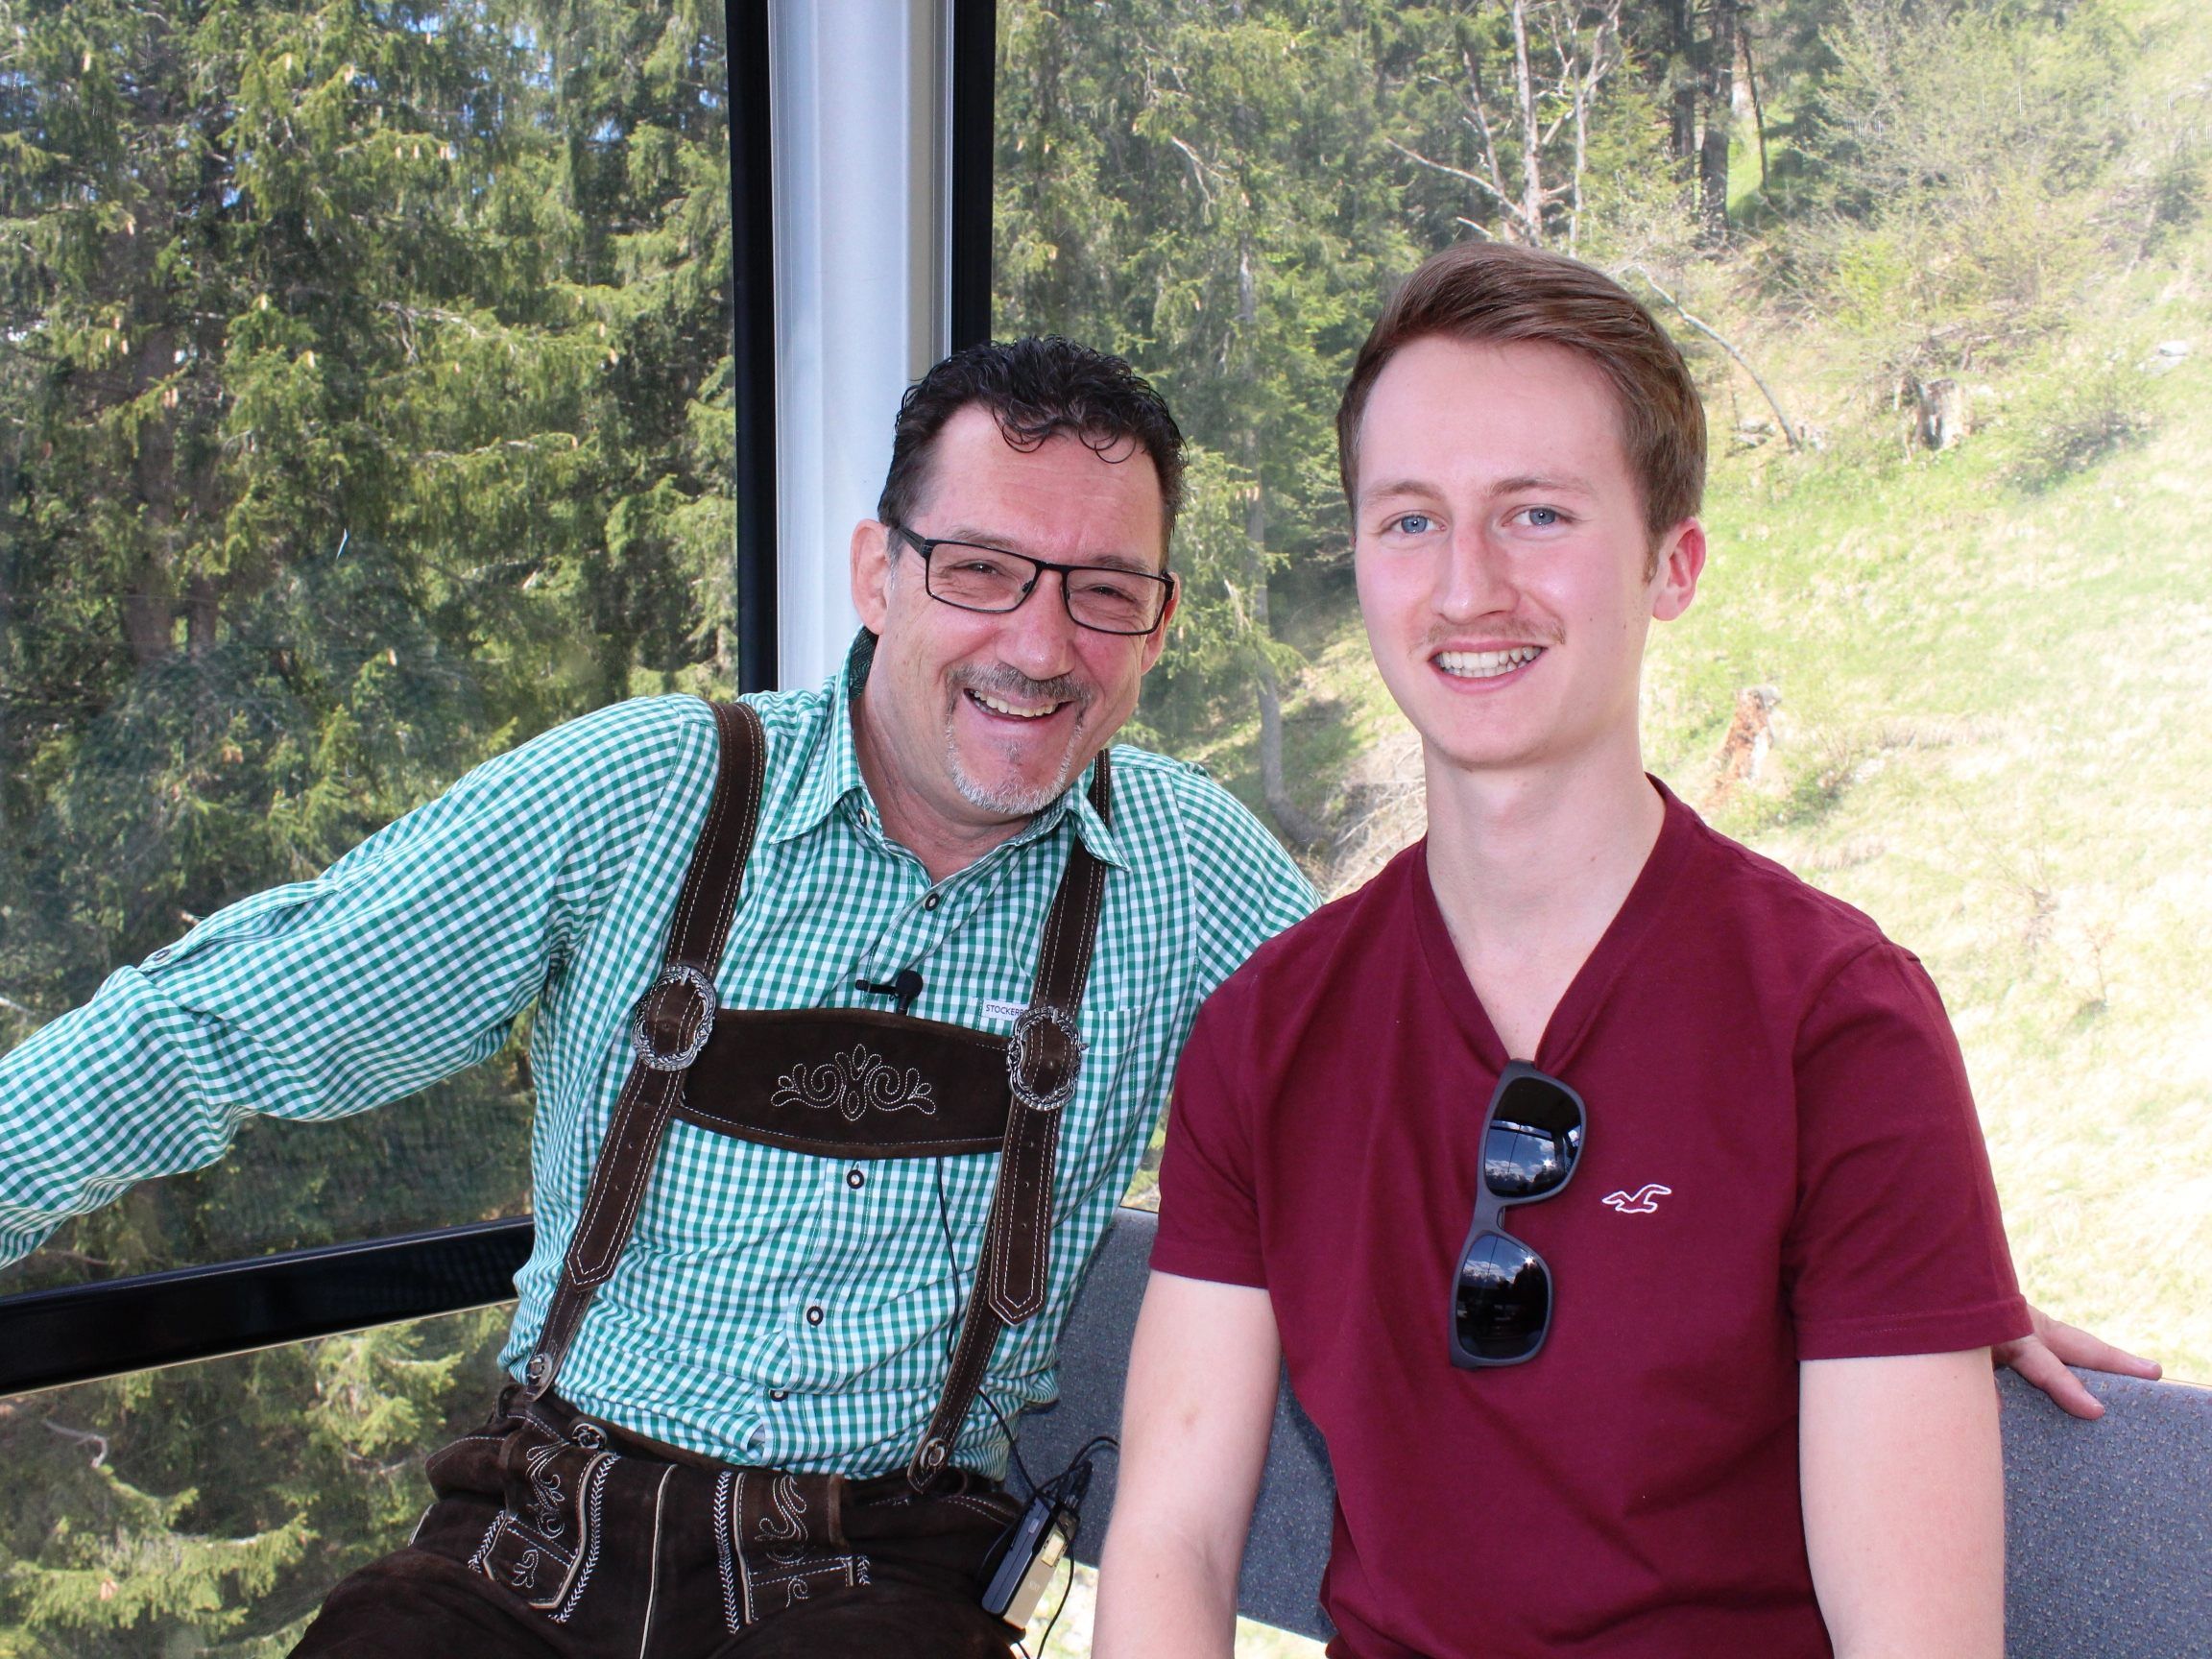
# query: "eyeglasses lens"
[979,576]
[1502,1299]
[1535,1135]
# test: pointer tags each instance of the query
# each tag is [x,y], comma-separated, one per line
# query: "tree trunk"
[1531,132]
[202,607]
[1682,82]
[1717,83]
[148,626]
[1294,823]
[1289,817]
[1758,110]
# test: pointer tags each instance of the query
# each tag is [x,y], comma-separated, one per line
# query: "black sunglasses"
[1502,1293]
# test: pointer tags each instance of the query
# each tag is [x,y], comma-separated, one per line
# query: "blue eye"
[1412,523]
[1542,518]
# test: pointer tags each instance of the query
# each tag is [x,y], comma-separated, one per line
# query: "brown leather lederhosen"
[580,1503]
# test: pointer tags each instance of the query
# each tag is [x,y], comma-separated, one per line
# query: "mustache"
[1001,681]
[1514,630]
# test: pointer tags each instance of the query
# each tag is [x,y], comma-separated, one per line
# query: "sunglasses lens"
[1501,1300]
[1535,1135]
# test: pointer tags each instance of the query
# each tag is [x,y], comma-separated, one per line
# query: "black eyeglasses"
[1502,1293]
[1105,598]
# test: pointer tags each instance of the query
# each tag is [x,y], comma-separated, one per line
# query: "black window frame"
[82,1332]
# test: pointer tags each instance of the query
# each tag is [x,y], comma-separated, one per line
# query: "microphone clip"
[905,986]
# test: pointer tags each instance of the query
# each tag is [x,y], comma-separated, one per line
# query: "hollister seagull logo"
[1641,1202]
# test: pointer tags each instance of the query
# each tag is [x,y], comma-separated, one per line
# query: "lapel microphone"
[906,985]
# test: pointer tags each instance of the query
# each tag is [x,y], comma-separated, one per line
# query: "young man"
[1615,1198]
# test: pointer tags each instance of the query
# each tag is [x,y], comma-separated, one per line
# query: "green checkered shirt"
[771,1307]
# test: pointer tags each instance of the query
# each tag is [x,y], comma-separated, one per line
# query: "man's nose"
[1039,637]
[1475,576]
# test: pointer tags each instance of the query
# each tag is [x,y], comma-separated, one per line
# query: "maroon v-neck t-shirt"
[1782,1163]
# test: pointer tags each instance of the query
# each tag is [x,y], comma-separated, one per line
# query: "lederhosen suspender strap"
[671,1026]
[1042,1063]
[678,1015]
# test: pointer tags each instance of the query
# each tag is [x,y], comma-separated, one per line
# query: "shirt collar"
[833,773]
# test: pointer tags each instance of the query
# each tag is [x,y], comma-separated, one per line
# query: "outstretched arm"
[1904,1490]
[2042,1355]
[1194,1425]
[404,962]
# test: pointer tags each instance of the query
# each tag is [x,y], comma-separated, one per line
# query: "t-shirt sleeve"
[1897,1245]
[1209,1209]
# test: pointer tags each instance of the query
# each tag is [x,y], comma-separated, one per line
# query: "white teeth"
[1486,664]
[998,707]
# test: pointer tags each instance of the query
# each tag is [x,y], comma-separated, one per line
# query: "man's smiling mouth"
[1019,711]
[1485,665]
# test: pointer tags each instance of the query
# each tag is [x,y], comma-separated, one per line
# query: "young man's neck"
[1529,866]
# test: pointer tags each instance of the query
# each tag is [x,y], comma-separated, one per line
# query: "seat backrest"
[2110,1524]
[1289,1542]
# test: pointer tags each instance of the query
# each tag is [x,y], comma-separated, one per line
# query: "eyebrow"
[1571,483]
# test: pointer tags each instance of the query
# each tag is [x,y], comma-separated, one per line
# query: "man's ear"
[872,574]
[1681,560]
[1156,641]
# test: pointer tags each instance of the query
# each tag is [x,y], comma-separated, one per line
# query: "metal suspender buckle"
[1043,1057]
[644,1024]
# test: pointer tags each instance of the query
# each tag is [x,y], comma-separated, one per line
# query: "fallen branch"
[1789,432]
[82,1438]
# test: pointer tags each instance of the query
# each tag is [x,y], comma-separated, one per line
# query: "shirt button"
[856,1180]
[930,903]
[814,1316]
[779,1395]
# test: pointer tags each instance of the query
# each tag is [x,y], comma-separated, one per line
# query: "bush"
[2090,414]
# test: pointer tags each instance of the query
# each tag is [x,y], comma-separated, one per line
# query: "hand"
[2042,1355]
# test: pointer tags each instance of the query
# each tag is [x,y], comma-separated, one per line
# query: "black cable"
[1065,1489]
[1043,1639]
[952,1336]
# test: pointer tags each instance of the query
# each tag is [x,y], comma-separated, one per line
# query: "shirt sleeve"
[1897,1245]
[1208,1199]
[404,962]
[1246,888]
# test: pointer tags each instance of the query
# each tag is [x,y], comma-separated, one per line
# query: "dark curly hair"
[1036,389]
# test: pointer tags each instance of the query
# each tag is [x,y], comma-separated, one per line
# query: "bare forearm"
[1195,1428]
[1157,1600]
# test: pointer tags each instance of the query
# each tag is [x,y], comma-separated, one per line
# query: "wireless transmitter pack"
[1040,1543]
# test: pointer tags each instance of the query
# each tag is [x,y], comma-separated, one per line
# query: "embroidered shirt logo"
[853,1083]
[1641,1202]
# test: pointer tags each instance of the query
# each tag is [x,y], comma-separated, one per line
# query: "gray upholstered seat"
[2109,1522]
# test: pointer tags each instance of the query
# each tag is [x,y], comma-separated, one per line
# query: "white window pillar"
[862,185]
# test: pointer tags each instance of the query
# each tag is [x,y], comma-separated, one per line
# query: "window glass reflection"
[365,408]
[208,1509]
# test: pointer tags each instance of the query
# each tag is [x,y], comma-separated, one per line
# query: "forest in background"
[363,408]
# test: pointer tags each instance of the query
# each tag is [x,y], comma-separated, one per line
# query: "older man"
[780,957]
